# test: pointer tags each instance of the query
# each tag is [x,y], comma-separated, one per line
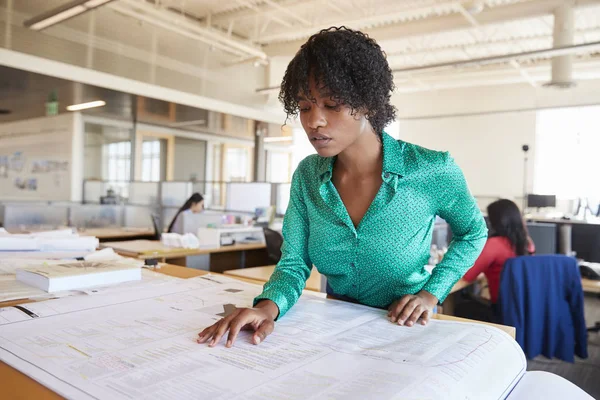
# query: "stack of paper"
[11,289]
[61,240]
[78,275]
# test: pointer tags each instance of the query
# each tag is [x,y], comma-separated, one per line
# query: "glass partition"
[23,217]
[175,193]
[143,193]
[96,216]
[138,217]
[283,197]
[247,196]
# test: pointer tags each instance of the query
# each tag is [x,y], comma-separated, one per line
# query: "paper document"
[127,345]
[74,275]
[58,233]
[11,289]
[107,254]
[547,386]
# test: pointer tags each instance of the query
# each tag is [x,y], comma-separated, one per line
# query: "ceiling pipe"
[564,35]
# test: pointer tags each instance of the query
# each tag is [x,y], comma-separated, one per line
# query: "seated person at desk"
[194,204]
[362,210]
[508,238]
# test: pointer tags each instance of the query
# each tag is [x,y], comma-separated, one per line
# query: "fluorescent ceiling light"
[63,13]
[85,106]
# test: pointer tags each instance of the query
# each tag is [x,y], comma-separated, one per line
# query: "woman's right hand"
[261,319]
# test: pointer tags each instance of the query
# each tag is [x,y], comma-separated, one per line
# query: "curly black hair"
[351,66]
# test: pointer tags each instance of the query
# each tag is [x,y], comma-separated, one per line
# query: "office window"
[566,152]
[236,164]
[118,161]
[278,167]
[151,161]
[118,165]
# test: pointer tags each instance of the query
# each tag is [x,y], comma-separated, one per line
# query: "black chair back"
[274,241]
[155,223]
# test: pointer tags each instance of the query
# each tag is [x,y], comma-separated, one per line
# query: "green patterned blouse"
[385,257]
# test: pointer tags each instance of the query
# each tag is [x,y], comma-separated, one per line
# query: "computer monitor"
[541,201]
[264,215]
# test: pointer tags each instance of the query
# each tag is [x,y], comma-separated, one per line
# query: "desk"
[16,385]
[262,275]
[218,259]
[449,304]
[580,236]
[105,234]
[590,286]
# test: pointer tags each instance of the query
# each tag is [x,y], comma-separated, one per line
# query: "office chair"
[274,241]
[155,224]
[539,295]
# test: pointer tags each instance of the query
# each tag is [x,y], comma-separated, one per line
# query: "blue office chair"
[542,297]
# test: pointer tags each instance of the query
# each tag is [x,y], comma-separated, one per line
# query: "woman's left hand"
[412,308]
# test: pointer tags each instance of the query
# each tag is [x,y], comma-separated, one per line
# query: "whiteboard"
[247,196]
[36,159]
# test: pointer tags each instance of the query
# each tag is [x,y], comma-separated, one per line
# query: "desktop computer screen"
[541,201]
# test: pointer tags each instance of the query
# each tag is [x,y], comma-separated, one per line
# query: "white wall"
[486,147]
[485,128]
[190,158]
[492,99]
[51,139]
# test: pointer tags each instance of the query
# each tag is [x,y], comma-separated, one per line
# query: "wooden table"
[105,234]
[222,258]
[262,275]
[18,386]
[590,286]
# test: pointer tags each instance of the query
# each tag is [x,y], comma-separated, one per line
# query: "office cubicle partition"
[96,216]
[19,216]
[165,198]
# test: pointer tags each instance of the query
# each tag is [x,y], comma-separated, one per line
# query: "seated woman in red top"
[508,238]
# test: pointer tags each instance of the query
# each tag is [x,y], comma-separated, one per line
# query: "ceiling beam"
[452,22]
[171,21]
[257,11]
[288,12]
[263,8]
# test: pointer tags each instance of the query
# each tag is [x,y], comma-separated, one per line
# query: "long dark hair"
[506,221]
[195,198]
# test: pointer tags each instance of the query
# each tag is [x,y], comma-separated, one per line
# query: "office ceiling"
[204,37]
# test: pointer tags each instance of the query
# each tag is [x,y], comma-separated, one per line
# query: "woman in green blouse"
[363,209]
